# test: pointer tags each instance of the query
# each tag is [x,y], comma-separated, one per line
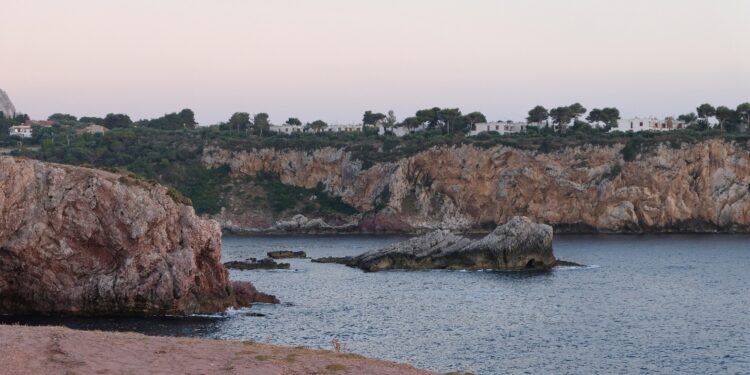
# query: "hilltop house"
[286,129]
[23,131]
[637,124]
[498,127]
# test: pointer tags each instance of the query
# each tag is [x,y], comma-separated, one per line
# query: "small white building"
[286,129]
[336,128]
[23,131]
[637,124]
[400,131]
[498,127]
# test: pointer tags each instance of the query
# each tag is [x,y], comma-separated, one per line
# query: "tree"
[596,116]
[562,116]
[577,109]
[705,111]
[743,111]
[537,114]
[62,118]
[318,125]
[430,116]
[688,118]
[118,120]
[451,118]
[390,120]
[261,123]
[611,115]
[91,120]
[370,118]
[725,115]
[240,121]
[474,118]
[606,115]
[188,118]
[293,121]
[411,123]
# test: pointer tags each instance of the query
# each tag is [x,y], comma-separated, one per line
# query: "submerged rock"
[88,242]
[255,264]
[517,245]
[286,254]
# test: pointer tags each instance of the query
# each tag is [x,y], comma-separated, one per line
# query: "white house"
[23,131]
[637,124]
[499,127]
[400,131]
[336,128]
[286,129]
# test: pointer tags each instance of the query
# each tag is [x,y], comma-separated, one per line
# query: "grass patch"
[262,357]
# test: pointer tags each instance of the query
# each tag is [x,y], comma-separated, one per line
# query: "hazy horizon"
[334,59]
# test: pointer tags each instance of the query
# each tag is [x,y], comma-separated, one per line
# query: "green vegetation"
[283,197]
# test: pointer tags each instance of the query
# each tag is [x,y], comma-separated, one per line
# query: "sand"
[58,350]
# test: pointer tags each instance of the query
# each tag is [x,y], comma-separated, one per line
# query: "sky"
[334,59]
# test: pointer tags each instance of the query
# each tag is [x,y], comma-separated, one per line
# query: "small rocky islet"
[519,245]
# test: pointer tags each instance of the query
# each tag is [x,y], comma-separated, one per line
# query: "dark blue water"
[647,304]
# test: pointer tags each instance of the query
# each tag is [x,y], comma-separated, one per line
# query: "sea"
[641,304]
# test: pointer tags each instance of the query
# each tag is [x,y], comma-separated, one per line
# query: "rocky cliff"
[6,106]
[82,241]
[689,187]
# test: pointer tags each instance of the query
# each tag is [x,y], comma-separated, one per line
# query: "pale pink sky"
[333,59]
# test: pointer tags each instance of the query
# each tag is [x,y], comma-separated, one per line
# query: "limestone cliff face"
[6,106]
[696,187]
[82,241]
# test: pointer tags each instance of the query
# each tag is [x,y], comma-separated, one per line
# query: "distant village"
[557,119]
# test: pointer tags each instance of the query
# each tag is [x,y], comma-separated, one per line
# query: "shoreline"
[60,350]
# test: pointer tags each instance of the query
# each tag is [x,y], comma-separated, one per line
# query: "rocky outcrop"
[6,106]
[87,242]
[692,187]
[286,254]
[517,245]
[256,264]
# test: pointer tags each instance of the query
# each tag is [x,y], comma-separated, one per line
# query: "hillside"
[678,181]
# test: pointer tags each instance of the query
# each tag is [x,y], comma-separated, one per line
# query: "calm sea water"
[646,304]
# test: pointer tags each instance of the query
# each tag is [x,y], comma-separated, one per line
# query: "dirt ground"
[63,351]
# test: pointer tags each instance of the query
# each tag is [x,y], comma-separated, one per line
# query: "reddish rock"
[86,242]
[246,294]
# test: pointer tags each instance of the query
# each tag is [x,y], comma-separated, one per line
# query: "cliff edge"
[88,242]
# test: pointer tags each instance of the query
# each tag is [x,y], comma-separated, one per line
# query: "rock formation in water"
[87,242]
[6,106]
[516,245]
[701,186]
[286,254]
[256,264]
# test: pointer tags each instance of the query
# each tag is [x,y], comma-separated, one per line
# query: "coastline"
[59,350]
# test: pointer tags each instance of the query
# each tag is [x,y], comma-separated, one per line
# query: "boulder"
[517,245]
[81,241]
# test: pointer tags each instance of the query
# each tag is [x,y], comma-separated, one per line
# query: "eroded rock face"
[82,241]
[6,106]
[518,245]
[692,187]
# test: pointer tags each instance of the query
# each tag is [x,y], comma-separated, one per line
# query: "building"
[286,129]
[23,131]
[498,127]
[337,129]
[400,131]
[637,124]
